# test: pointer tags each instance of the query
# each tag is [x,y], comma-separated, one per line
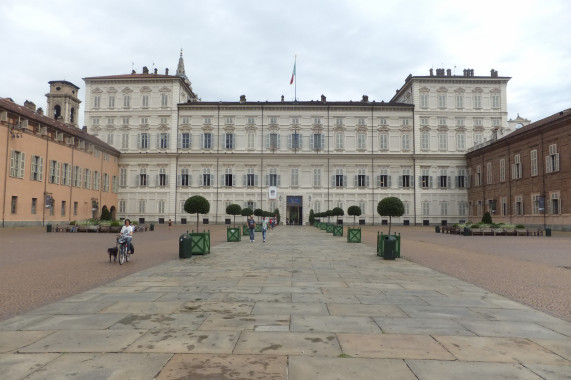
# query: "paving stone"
[318,368]
[311,323]
[15,366]
[360,310]
[76,322]
[186,341]
[560,347]
[143,307]
[511,329]
[13,340]
[289,308]
[287,343]
[551,372]
[204,367]
[190,321]
[455,370]
[245,322]
[84,341]
[421,326]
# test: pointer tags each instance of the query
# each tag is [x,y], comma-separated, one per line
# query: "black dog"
[112,252]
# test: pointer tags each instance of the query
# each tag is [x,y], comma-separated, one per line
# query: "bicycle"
[123,251]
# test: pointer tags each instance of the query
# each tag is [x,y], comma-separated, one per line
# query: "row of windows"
[443,100]
[551,166]
[537,205]
[59,173]
[35,207]
[125,101]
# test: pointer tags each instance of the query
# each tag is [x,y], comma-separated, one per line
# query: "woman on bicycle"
[127,230]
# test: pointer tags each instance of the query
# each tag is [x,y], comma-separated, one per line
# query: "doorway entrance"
[294,210]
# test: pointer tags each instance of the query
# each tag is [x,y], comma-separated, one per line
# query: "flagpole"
[295,79]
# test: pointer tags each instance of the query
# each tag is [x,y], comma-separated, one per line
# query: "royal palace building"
[295,156]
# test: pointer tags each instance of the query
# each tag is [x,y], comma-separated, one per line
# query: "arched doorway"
[294,211]
[113,213]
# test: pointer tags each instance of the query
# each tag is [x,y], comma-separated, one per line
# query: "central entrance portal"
[294,211]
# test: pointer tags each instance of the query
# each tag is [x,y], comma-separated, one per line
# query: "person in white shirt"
[127,230]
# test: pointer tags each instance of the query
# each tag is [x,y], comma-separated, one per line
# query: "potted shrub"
[390,206]
[311,217]
[200,243]
[354,234]
[233,233]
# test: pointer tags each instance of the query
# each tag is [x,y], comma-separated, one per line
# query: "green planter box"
[200,243]
[245,230]
[258,228]
[381,240]
[329,228]
[323,226]
[337,230]
[233,234]
[353,235]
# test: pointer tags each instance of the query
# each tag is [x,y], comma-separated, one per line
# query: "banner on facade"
[273,192]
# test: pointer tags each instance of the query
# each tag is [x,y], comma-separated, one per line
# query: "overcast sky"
[344,48]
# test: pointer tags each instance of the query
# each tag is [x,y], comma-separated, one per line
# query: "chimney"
[167,71]
[365,99]
[323,98]
[30,105]
[242,98]
[40,111]
[156,71]
[449,72]
[431,72]
[84,129]
[145,70]
[133,72]
[282,98]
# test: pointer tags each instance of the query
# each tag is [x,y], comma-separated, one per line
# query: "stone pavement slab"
[304,305]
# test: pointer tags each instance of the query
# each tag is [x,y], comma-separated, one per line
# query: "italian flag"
[292,74]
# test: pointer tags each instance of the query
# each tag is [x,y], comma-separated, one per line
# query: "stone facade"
[525,177]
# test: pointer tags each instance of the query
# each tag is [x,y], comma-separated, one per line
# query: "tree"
[355,211]
[105,213]
[234,209]
[259,212]
[486,218]
[197,205]
[277,215]
[247,212]
[390,206]
[337,211]
[311,217]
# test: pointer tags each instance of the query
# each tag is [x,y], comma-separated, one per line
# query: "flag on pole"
[292,74]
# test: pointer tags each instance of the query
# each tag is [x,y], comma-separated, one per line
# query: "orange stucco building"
[50,170]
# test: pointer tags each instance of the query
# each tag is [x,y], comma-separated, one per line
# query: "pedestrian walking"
[251,227]
[264,228]
[170,224]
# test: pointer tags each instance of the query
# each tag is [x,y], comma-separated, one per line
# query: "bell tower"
[63,103]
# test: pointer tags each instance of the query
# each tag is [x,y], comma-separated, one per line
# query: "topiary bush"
[197,205]
[487,218]
[234,209]
[354,211]
[390,206]
[311,217]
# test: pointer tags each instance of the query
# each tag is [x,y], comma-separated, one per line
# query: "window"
[552,161]
[424,121]
[462,207]
[442,141]
[96,180]
[164,100]
[361,179]
[62,208]
[273,179]
[143,141]
[207,121]
[185,140]
[533,156]
[123,177]
[126,101]
[163,178]
[110,138]
[441,100]
[535,203]
[251,140]
[161,207]
[206,140]
[518,205]
[95,121]
[76,176]
[517,170]
[145,101]
[443,179]
[34,205]
[251,121]
[36,174]
[185,121]
[424,100]
[460,122]
[339,140]
[495,99]
[184,177]
[460,141]
[163,140]
[459,101]
[383,121]
[164,120]
[502,170]
[17,161]
[425,141]
[405,141]
[461,179]
[294,177]
[96,101]
[122,206]
[125,141]
[316,141]
[339,178]
[111,101]
[273,141]
[14,204]
[66,174]
[384,180]
[442,121]
[478,176]
[317,177]
[206,179]
[229,120]
[338,121]
[228,179]
[425,208]
[383,141]
[361,140]
[554,204]
[144,121]
[228,141]
[405,179]
[251,178]
[477,101]
[443,208]
[142,206]
[143,178]
[87,179]
[504,206]
[105,182]
[114,187]
[425,179]
[75,205]
[478,138]
[489,174]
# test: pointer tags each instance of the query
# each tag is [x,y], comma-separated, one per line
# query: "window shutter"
[311,141]
[189,180]
[547,164]
[138,140]
[468,179]
[344,180]
[138,180]
[179,141]
[167,179]
[355,180]
[179,180]
[290,141]
[201,180]
[333,181]
[267,180]
[378,181]
[367,180]
[22,164]
[234,180]
[255,180]
[549,204]
[556,162]
[390,181]
[400,181]
[279,180]
[278,141]
[449,182]
[168,141]
[430,182]
[268,141]
[41,169]
[202,140]
[222,182]
[412,183]
[299,141]
[244,180]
